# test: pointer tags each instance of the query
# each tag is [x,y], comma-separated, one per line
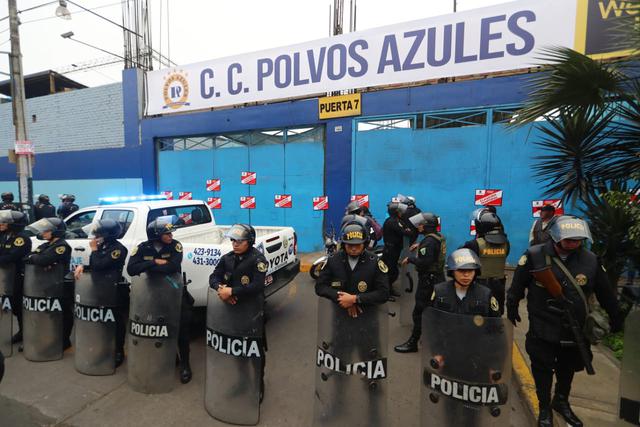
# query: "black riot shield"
[466,369]
[630,372]
[154,323]
[95,308]
[235,359]
[42,312]
[7,279]
[408,285]
[351,367]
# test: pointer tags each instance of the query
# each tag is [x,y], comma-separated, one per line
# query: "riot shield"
[95,308]
[630,372]
[7,279]
[466,370]
[234,359]
[42,312]
[351,367]
[408,285]
[152,334]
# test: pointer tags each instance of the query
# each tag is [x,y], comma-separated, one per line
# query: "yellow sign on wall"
[339,106]
[604,27]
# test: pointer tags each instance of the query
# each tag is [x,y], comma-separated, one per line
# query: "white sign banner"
[498,38]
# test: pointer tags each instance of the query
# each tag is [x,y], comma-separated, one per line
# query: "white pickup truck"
[203,241]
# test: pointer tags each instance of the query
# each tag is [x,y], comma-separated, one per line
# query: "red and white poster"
[213,185]
[282,200]
[168,194]
[439,227]
[536,205]
[186,218]
[247,202]
[249,178]
[214,202]
[488,197]
[321,203]
[362,199]
[186,195]
[472,228]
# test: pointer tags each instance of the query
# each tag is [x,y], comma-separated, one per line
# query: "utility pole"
[23,161]
[455,6]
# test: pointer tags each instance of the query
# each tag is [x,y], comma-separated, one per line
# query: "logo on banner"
[249,178]
[213,185]
[282,200]
[168,194]
[247,202]
[361,199]
[488,198]
[536,205]
[187,195]
[321,203]
[214,202]
[175,90]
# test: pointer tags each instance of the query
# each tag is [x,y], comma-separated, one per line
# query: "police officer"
[15,244]
[393,233]
[354,209]
[44,208]
[55,250]
[429,263]
[492,246]
[240,274]
[463,294]
[550,343]
[7,202]
[411,210]
[108,256]
[354,276]
[163,254]
[540,229]
[68,206]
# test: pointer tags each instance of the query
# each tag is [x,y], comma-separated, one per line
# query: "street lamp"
[62,11]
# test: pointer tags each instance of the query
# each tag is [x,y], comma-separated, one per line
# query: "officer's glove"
[512,315]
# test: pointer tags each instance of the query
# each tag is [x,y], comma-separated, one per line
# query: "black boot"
[17,337]
[560,404]
[185,371]
[119,357]
[545,419]
[411,346]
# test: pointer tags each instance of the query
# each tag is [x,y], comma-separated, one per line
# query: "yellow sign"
[604,27]
[339,106]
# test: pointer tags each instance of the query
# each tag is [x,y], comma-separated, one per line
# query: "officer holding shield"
[393,232]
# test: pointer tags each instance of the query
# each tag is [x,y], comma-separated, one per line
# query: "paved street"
[53,393]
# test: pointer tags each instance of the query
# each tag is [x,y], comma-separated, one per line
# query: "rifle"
[551,284]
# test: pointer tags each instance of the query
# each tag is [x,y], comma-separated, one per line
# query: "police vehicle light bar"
[124,199]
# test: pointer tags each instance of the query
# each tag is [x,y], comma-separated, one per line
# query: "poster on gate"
[247,202]
[214,202]
[472,228]
[439,227]
[536,205]
[185,195]
[168,195]
[361,199]
[249,178]
[321,203]
[213,184]
[488,198]
[282,201]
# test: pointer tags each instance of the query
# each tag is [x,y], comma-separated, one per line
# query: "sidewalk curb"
[524,379]
[305,266]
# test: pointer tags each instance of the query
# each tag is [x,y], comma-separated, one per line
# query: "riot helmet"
[7,197]
[161,225]
[463,259]
[15,219]
[242,232]
[353,208]
[353,218]
[68,198]
[426,219]
[489,226]
[354,233]
[569,227]
[108,229]
[57,227]
[43,198]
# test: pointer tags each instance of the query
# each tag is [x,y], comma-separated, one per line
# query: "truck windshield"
[187,215]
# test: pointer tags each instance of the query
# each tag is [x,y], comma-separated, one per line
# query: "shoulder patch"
[494,304]
[60,250]
[522,260]
[382,266]
[262,267]
[134,250]
[18,242]
[433,295]
[178,247]
[116,254]
[423,251]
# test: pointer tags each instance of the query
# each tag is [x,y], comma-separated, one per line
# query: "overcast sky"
[197,30]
